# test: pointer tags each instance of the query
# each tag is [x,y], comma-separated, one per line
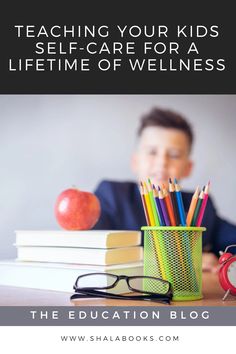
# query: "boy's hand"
[210,262]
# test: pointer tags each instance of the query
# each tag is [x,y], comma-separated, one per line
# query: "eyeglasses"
[97,284]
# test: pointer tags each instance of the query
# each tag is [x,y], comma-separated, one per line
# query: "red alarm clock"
[227,272]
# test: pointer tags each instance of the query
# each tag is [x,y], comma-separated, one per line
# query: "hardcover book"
[60,277]
[88,239]
[97,256]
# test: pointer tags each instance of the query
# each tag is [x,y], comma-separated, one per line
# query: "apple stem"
[74,186]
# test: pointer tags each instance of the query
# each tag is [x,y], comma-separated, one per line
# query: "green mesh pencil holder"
[175,254]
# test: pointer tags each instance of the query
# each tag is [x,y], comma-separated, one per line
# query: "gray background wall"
[49,143]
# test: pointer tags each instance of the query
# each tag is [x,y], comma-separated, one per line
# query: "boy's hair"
[166,119]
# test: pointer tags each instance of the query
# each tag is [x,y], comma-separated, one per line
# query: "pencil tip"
[175,180]
[141,183]
[170,181]
[153,186]
[159,188]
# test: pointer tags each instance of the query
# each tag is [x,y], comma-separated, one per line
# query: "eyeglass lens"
[96,281]
[150,285]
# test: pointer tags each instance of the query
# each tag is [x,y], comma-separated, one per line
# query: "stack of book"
[54,259]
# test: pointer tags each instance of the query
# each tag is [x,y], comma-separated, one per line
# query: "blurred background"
[51,142]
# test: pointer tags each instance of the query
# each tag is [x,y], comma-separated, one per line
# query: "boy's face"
[162,153]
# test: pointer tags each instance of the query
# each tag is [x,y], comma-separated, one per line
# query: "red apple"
[77,210]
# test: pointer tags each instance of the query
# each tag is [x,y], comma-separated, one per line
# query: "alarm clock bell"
[227,272]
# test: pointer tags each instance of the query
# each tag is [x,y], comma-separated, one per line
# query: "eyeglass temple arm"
[94,293]
[84,296]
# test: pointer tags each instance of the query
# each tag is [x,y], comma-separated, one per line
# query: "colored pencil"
[158,205]
[186,241]
[159,246]
[169,206]
[163,207]
[203,206]
[144,204]
[148,204]
[192,206]
[180,203]
[153,204]
[174,202]
[197,209]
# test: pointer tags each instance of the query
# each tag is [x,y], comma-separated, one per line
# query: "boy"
[164,145]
